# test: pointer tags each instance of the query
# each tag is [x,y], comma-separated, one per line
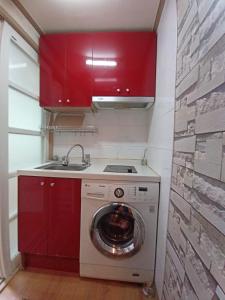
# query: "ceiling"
[90,15]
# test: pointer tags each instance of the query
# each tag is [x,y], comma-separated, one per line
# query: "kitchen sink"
[70,167]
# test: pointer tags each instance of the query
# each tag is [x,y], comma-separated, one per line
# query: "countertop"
[95,171]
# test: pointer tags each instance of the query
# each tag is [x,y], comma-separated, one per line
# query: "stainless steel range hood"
[102,102]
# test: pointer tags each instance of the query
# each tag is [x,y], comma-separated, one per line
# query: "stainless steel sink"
[70,167]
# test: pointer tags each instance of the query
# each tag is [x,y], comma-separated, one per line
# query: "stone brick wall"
[195,258]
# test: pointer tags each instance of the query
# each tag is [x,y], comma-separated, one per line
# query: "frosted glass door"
[24,126]
[24,151]
[23,70]
[24,111]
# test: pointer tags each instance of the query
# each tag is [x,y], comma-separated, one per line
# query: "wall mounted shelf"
[86,129]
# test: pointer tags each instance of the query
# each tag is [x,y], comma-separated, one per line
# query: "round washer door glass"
[117,230]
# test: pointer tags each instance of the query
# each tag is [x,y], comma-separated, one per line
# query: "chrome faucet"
[66,160]
[144,160]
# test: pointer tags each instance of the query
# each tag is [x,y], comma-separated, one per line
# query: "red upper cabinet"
[52,69]
[76,66]
[124,64]
[108,69]
[65,78]
[78,85]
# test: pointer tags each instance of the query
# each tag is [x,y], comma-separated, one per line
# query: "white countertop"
[95,171]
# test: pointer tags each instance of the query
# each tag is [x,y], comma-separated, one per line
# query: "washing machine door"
[117,230]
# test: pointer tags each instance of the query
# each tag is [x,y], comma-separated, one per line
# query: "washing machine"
[118,230]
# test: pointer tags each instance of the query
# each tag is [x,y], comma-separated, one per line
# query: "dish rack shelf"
[86,129]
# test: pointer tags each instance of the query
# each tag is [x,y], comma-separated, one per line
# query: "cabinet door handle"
[42,183]
[60,101]
[52,184]
[68,100]
[128,90]
[118,90]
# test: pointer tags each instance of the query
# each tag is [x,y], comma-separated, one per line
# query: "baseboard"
[57,264]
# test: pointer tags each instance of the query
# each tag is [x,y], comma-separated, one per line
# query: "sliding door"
[22,134]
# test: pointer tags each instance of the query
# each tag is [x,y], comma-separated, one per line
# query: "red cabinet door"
[139,64]
[108,55]
[64,217]
[65,78]
[32,215]
[52,69]
[78,84]
[124,63]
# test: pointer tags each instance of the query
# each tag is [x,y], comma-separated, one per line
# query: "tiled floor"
[39,286]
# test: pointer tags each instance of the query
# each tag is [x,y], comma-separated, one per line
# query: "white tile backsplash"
[131,151]
[121,134]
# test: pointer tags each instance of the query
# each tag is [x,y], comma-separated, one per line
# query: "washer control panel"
[120,191]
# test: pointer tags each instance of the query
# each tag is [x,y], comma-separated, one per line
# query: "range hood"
[102,102]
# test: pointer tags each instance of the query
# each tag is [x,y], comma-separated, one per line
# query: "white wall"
[160,141]
[121,134]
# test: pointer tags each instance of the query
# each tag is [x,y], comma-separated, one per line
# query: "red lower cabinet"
[64,217]
[49,222]
[33,219]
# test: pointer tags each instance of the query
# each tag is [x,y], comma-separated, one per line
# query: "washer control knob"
[119,193]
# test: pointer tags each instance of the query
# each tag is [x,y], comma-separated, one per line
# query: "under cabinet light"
[105,63]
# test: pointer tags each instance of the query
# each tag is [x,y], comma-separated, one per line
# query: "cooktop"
[120,169]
